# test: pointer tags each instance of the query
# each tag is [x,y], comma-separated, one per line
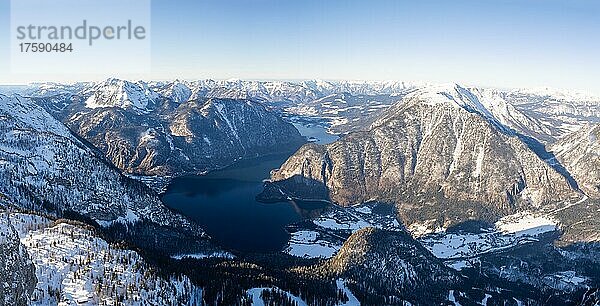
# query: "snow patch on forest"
[75,267]
[256,295]
[508,232]
[222,254]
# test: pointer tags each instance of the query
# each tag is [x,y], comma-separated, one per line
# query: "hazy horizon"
[504,44]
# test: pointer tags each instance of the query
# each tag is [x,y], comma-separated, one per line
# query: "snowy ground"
[225,255]
[339,112]
[325,236]
[75,267]
[306,244]
[355,218]
[352,300]
[565,280]
[255,294]
[458,248]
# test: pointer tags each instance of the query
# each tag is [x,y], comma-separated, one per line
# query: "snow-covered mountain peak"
[544,114]
[444,94]
[145,86]
[492,104]
[178,91]
[120,93]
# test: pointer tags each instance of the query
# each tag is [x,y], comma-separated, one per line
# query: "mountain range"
[148,132]
[46,168]
[451,190]
[443,157]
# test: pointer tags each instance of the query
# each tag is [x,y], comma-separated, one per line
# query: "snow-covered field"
[338,110]
[508,232]
[565,279]
[306,244]
[75,267]
[332,228]
[356,218]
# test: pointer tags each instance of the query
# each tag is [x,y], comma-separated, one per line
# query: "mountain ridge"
[430,148]
[45,168]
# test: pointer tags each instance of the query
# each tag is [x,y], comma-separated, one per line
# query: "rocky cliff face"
[579,153]
[17,273]
[442,160]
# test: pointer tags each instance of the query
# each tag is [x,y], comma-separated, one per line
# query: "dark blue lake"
[223,203]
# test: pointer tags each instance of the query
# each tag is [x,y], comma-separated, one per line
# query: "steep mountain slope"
[74,266]
[579,152]
[544,115]
[177,91]
[163,132]
[43,167]
[191,137]
[374,260]
[557,111]
[441,160]
[17,273]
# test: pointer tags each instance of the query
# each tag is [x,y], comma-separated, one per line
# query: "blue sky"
[521,43]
